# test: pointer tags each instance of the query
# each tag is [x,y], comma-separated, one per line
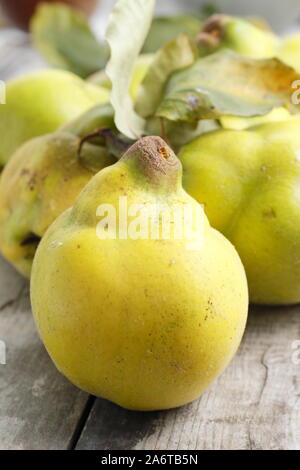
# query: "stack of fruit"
[149,320]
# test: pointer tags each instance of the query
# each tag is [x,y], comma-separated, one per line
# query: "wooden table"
[254,405]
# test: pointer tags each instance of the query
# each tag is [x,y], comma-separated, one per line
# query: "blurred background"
[17,56]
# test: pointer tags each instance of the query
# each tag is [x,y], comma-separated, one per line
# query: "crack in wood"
[81,422]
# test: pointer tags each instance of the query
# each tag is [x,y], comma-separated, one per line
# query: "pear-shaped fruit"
[140,69]
[290,51]
[41,102]
[240,123]
[249,183]
[41,180]
[241,36]
[141,316]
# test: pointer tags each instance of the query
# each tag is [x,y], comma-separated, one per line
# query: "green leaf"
[166,28]
[98,117]
[178,134]
[64,38]
[127,29]
[175,55]
[225,83]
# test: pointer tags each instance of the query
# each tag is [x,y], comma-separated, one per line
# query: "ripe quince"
[148,323]
[248,182]
[40,103]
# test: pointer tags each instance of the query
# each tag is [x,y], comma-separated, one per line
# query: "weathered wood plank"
[39,409]
[254,405]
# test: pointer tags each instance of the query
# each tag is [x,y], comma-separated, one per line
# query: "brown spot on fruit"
[164,153]
[269,213]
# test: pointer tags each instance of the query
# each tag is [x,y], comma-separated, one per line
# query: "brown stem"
[155,163]
[116,145]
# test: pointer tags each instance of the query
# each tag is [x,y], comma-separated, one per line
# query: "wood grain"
[255,404]
[39,409]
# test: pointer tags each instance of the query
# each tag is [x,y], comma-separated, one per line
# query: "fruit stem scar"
[164,153]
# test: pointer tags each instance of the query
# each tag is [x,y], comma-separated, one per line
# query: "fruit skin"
[41,102]
[240,123]
[249,184]
[290,51]
[247,39]
[42,180]
[20,11]
[241,36]
[140,69]
[148,324]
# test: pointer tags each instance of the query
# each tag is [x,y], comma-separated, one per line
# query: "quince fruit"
[248,182]
[146,322]
[42,179]
[245,38]
[40,103]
